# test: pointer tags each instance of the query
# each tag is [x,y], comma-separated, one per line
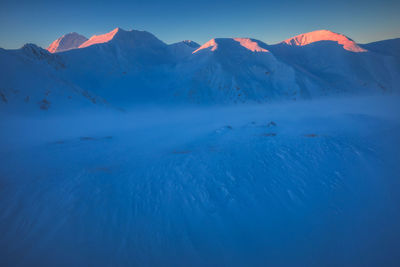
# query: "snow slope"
[182,49]
[234,70]
[324,35]
[135,67]
[313,183]
[240,70]
[99,39]
[336,65]
[31,81]
[386,47]
[191,43]
[128,68]
[131,39]
[165,183]
[67,42]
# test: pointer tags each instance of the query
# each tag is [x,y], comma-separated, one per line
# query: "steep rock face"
[67,42]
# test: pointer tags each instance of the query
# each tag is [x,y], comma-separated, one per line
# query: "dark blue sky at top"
[43,21]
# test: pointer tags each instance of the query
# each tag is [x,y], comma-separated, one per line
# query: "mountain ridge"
[67,42]
[324,35]
[135,67]
[298,40]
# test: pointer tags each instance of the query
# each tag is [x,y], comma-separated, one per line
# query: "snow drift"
[312,183]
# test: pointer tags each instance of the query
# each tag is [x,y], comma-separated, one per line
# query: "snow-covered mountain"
[67,42]
[234,70]
[131,67]
[386,47]
[305,183]
[122,66]
[182,49]
[329,63]
[191,43]
[31,80]
[324,35]
[132,39]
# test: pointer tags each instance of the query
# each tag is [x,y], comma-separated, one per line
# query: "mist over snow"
[122,68]
[122,150]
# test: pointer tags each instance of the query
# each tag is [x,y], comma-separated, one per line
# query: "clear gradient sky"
[43,21]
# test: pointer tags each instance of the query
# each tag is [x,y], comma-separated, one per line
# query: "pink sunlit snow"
[210,43]
[324,35]
[244,42]
[66,42]
[250,44]
[98,39]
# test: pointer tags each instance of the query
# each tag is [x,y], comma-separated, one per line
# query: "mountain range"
[123,68]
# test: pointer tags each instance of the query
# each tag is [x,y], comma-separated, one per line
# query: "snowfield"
[122,150]
[310,183]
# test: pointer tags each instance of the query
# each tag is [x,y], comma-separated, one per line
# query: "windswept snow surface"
[313,183]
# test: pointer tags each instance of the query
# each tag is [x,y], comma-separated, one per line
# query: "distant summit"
[132,38]
[191,44]
[75,40]
[182,49]
[129,67]
[324,35]
[233,43]
[32,49]
[67,42]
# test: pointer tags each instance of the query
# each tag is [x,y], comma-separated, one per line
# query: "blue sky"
[43,21]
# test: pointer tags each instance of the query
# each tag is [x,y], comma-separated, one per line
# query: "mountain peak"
[32,49]
[67,42]
[125,38]
[324,35]
[191,43]
[230,43]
